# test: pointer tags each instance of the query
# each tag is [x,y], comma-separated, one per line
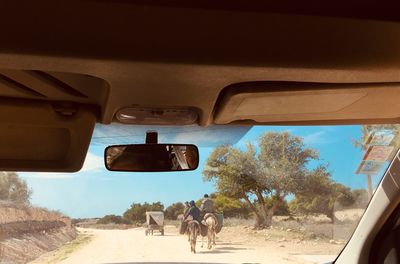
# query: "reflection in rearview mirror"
[151,157]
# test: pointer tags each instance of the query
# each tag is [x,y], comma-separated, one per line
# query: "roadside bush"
[112,219]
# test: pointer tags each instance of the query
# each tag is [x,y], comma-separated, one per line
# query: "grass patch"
[65,251]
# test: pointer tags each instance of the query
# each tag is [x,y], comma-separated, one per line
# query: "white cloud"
[211,136]
[316,138]
[199,138]
[92,163]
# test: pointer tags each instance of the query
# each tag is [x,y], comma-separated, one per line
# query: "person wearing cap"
[207,205]
[193,213]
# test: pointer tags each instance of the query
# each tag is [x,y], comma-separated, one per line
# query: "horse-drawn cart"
[154,221]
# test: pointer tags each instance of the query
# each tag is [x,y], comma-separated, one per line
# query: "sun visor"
[286,102]
[39,136]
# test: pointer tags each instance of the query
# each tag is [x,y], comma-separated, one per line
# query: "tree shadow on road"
[215,252]
[228,244]
[223,249]
[231,248]
[165,235]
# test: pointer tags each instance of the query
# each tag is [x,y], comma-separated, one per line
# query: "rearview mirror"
[151,157]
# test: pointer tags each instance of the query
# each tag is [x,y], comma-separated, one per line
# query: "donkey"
[211,222]
[193,232]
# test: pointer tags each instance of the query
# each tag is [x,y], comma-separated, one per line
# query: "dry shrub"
[12,212]
[238,222]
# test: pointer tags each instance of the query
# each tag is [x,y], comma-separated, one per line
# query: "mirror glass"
[151,157]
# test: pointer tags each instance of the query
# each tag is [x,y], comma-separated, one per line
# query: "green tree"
[231,207]
[175,209]
[284,160]
[13,188]
[275,171]
[321,195]
[228,206]
[112,219]
[137,211]
[233,172]
[283,208]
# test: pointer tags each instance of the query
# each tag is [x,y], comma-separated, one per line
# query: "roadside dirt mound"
[27,247]
[26,232]
[17,229]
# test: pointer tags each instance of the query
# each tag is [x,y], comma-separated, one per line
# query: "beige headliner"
[164,56]
[156,56]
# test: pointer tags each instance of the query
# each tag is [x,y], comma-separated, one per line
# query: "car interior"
[68,66]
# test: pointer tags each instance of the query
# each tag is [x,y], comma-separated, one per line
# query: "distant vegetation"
[113,219]
[136,214]
[13,188]
[174,210]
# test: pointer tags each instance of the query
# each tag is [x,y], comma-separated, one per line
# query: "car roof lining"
[116,54]
[149,57]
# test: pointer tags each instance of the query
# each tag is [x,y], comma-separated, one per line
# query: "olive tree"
[321,195]
[274,169]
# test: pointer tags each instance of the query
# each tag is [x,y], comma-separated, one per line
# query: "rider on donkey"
[207,207]
[193,213]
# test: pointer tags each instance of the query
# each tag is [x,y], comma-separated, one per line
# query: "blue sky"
[94,191]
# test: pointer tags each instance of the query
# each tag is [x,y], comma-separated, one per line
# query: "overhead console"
[47,119]
[300,102]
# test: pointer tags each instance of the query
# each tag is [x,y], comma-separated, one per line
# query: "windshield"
[286,194]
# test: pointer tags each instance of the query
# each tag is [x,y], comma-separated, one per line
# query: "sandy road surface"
[132,246]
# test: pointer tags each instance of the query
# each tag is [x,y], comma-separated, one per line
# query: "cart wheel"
[162,232]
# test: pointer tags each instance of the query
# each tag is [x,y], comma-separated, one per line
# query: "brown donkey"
[193,232]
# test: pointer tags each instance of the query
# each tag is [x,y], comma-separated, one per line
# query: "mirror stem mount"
[151,137]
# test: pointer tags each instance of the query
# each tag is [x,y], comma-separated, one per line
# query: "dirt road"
[132,246]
